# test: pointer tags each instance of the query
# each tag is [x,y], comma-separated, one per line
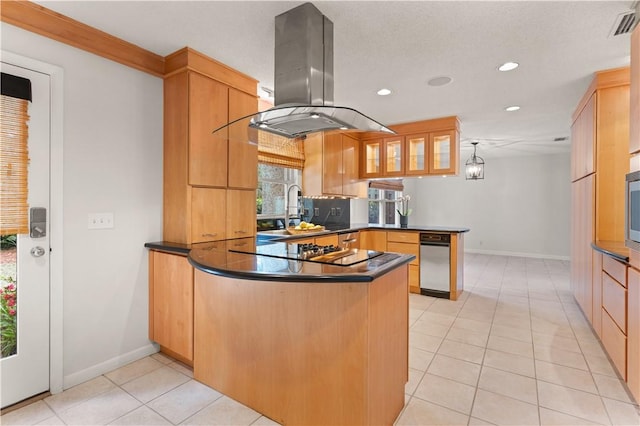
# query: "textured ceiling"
[402,45]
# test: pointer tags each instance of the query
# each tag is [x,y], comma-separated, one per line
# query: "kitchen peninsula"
[300,341]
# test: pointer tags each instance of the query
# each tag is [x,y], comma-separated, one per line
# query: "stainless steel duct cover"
[304,81]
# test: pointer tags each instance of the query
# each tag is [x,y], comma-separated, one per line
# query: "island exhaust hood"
[304,82]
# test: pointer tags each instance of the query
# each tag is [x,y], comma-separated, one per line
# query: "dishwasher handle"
[435,239]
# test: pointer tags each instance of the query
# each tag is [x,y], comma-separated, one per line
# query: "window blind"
[14,155]
[280,151]
[388,184]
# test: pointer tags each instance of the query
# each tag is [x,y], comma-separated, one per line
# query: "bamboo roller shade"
[280,151]
[14,162]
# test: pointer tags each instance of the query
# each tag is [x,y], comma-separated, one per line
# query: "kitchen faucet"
[288,206]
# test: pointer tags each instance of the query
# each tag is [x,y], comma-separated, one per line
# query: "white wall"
[112,163]
[522,207]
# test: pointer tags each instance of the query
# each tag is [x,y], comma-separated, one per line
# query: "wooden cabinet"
[393,156]
[331,166]
[371,164]
[443,153]
[634,111]
[208,214]
[407,243]
[429,147]
[633,331]
[328,240]
[373,240]
[201,95]
[583,140]
[596,320]
[171,304]
[240,215]
[243,156]
[582,234]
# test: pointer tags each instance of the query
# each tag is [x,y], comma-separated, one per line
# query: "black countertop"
[222,258]
[615,249]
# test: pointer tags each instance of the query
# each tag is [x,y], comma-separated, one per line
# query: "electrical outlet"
[338,211]
[100,221]
[333,211]
[316,211]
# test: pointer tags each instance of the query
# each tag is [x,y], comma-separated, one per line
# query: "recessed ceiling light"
[384,92]
[508,66]
[439,81]
[512,108]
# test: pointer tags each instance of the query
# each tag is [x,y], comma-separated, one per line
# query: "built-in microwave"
[632,216]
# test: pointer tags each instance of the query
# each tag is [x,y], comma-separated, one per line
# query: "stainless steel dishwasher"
[435,265]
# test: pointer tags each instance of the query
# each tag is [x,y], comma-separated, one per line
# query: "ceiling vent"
[625,23]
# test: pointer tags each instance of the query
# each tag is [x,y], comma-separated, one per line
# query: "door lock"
[38,222]
[37,251]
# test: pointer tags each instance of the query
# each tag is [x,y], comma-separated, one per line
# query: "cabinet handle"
[350,240]
[209,235]
[240,232]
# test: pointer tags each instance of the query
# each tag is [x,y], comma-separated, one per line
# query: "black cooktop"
[330,255]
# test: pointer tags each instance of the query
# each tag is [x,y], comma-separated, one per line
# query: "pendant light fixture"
[474,167]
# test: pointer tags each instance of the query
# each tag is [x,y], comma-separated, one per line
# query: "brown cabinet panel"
[405,248]
[352,186]
[416,154]
[327,240]
[241,213]
[614,301]
[208,101]
[615,342]
[414,279]
[633,331]
[616,269]
[403,237]
[243,156]
[208,214]
[332,168]
[596,321]
[373,240]
[393,156]
[371,164]
[171,306]
[583,134]
[634,130]
[443,152]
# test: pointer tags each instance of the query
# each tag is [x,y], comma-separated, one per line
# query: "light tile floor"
[514,350]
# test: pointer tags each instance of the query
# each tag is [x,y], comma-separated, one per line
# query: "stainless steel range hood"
[304,81]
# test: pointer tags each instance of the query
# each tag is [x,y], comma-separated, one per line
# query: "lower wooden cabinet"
[633,332]
[615,342]
[171,304]
[241,213]
[208,214]
[373,240]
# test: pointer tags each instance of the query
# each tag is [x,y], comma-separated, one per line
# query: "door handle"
[37,251]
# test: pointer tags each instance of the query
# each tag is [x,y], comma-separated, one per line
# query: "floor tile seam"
[623,383]
[581,417]
[84,400]
[136,377]
[591,372]
[444,406]
[157,396]
[181,420]
[533,352]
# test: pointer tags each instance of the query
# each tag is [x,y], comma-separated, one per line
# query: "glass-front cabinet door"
[393,156]
[372,158]
[416,154]
[443,148]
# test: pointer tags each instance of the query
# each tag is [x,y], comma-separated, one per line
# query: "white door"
[26,373]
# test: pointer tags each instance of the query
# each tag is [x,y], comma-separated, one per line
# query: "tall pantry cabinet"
[209,182]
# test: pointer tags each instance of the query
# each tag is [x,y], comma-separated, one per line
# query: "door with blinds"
[24,229]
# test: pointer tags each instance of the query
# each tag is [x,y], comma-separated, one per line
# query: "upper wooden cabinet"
[331,165]
[583,137]
[243,156]
[429,147]
[201,95]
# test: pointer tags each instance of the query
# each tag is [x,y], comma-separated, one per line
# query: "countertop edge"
[325,278]
[611,249]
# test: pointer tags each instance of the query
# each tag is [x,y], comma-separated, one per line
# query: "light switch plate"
[100,221]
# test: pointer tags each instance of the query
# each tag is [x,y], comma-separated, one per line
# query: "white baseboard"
[518,254]
[107,366]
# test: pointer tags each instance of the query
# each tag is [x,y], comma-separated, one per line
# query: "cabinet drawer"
[327,240]
[403,237]
[617,270]
[615,342]
[406,248]
[614,300]
[414,278]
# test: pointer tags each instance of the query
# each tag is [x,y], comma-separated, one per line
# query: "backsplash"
[333,213]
